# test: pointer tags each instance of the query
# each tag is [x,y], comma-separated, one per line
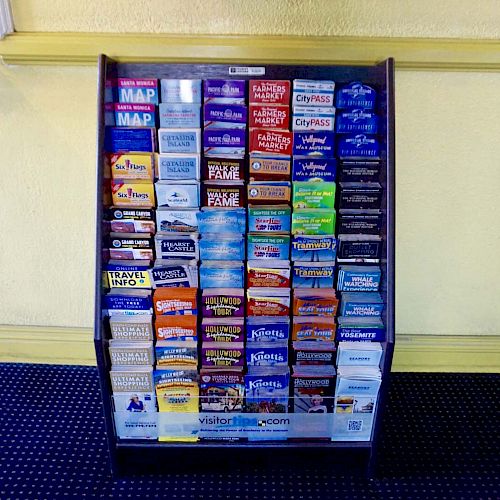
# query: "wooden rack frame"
[145,456]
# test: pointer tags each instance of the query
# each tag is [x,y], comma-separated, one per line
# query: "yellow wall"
[447,199]
[47,147]
[447,230]
[400,18]
[447,156]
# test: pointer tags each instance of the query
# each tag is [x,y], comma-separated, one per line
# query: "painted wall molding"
[414,353]
[45,344]
[410,53]
[447,353]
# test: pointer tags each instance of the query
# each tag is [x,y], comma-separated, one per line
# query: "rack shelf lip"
[148,445]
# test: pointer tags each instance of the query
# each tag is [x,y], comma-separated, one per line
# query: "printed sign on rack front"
[254,426]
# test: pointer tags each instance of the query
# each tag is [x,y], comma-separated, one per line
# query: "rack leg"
[371,467]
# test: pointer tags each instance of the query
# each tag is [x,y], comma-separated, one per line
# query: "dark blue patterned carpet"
[441,439]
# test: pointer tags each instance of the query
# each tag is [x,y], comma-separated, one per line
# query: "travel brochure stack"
[242,250]
[268,265]
[313,245]
[360,327]
[222,229]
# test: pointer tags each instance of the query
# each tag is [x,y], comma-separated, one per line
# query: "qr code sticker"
[354,425]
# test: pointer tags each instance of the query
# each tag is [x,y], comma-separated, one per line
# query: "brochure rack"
[133,456]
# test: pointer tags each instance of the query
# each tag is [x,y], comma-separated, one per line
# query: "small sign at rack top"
[222,266]
[247,70]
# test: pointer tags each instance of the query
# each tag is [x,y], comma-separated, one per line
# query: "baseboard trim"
[442,54]
[45,344]
[447,353]
[414,353]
